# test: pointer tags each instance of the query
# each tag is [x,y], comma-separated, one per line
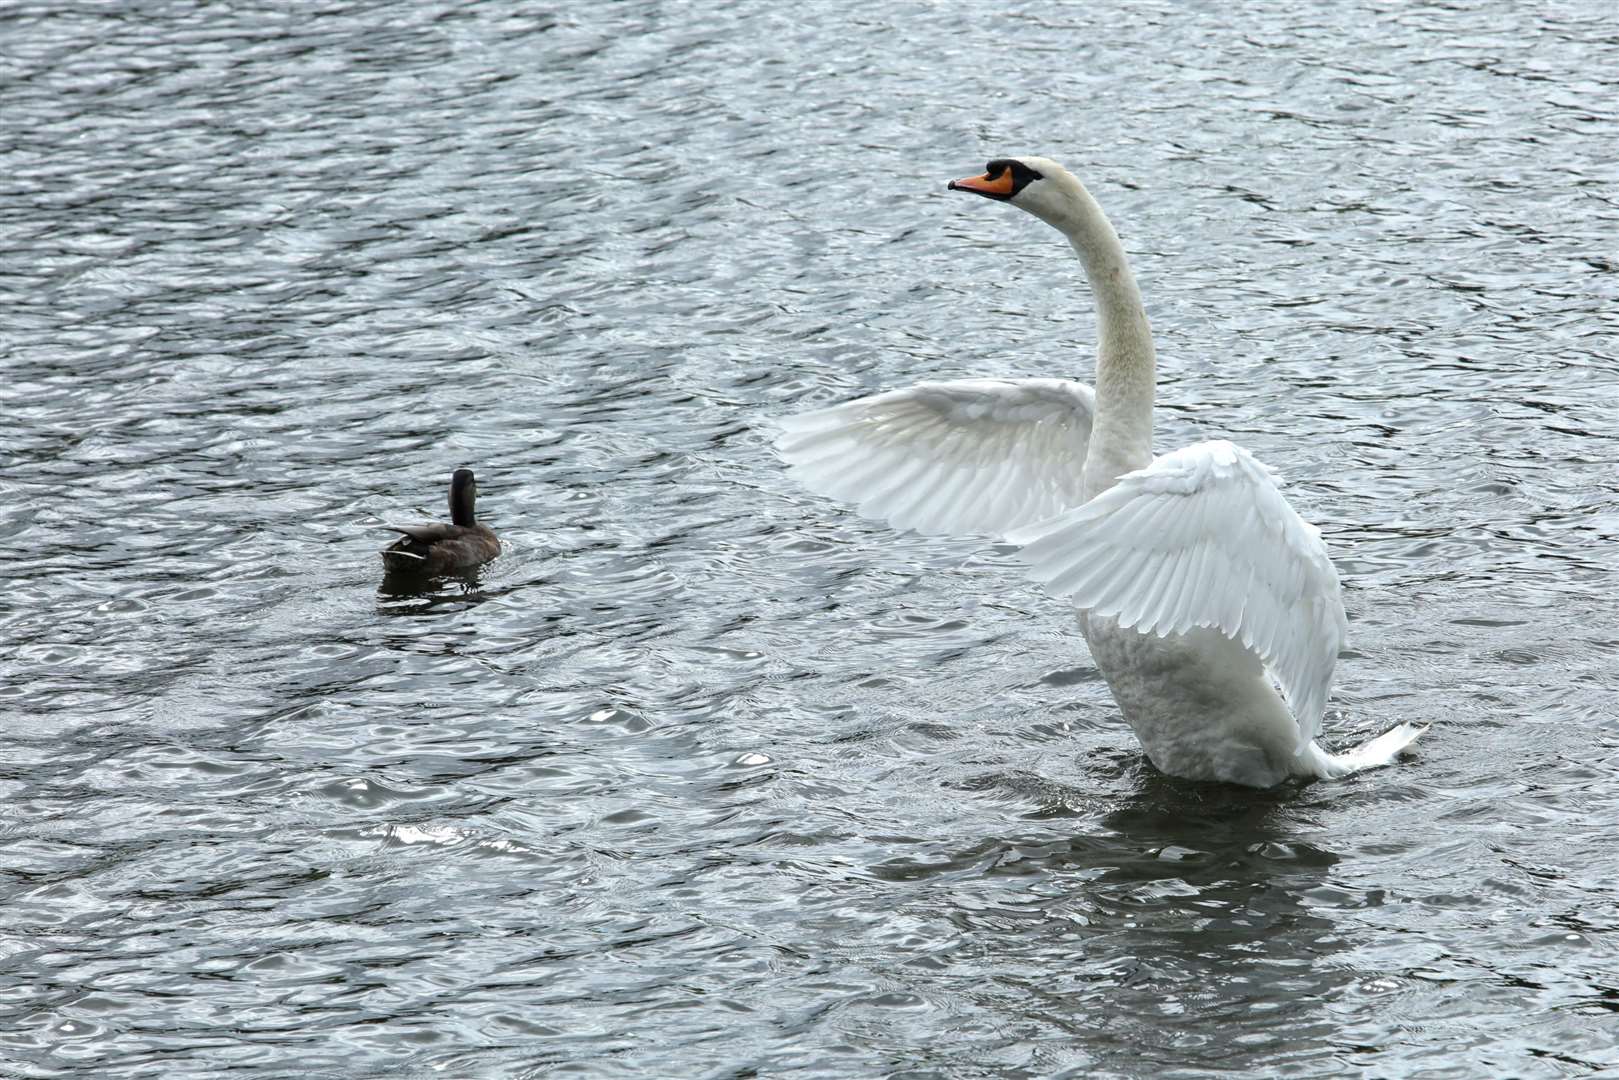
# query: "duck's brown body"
[443,548]
[440,548]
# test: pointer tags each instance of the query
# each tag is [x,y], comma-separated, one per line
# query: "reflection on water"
[702,776]
[1187,922]
[402,584]
[1208,923]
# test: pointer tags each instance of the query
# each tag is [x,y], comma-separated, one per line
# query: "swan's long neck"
[1121,434]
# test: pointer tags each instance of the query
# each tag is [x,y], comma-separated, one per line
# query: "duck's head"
[1036,184]
[463,497]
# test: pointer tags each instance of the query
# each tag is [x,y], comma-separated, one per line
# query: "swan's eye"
[1022,175]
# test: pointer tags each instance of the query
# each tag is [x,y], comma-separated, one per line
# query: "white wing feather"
[1203,537]
[976,456]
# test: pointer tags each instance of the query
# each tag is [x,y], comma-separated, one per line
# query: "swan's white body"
[1196,582]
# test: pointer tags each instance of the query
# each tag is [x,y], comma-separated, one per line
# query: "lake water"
[705,776]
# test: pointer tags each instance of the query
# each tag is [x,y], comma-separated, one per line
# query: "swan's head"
[1036,184]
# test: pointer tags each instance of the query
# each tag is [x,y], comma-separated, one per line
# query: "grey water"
[706,776]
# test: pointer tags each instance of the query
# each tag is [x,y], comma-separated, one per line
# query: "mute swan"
[1192,574]
[439,548]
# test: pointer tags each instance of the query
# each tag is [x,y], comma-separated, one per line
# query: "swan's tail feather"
[1368,755]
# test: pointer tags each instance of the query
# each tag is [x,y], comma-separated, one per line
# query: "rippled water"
[706,777]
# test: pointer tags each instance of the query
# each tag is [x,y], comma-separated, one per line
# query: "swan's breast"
[1200,703]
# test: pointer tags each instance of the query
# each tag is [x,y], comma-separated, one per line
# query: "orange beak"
[998,188]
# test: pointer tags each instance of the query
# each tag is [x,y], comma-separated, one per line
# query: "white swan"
[1192,574]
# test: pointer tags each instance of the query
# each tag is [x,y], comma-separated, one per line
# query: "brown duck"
[439,548]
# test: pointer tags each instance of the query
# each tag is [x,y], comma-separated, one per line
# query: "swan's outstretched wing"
[1202,537]
[976,456]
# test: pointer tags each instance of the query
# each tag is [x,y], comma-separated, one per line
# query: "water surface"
[705,776]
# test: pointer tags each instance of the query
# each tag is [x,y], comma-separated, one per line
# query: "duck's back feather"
[440,547]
